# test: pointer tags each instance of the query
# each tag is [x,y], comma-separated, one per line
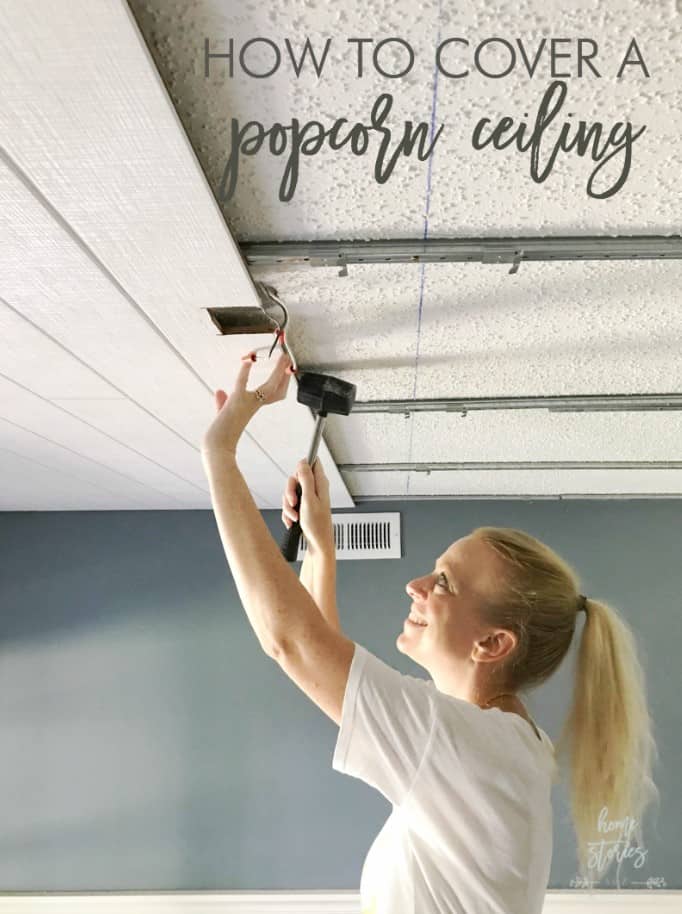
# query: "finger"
[244,372]
[306,478]
[220,399]
[321,480]
[288,510]
[283,362]
[291,493]
[279,378]
[286,521]
[283,386]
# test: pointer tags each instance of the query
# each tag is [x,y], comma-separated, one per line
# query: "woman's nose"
[415,588]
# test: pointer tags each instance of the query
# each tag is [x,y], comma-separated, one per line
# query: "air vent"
[364,536]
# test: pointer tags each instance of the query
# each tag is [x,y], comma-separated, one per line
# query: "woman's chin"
[404,642]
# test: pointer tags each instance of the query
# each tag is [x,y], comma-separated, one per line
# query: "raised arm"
[318,571]
[279,608]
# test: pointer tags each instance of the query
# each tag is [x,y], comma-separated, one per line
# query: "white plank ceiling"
[112,249]
[113,244]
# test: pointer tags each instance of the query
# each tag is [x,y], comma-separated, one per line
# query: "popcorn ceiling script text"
[389,144]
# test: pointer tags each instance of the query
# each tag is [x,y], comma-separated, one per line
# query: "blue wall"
[149,744]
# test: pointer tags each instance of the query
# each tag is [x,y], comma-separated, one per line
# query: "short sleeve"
[386,724]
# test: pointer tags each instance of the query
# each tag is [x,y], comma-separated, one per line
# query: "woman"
[467,771]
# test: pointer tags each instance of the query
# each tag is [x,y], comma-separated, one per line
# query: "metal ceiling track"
[438,466]
[504,496]
[288,254]
[596,403]
[569,404]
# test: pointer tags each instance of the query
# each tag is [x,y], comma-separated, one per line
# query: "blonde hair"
[607,739]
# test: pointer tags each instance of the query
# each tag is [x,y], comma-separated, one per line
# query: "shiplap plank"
[134,428]
[61,291]
[73,446]
[138,200]
[28,484]
[105,456]
[37,362]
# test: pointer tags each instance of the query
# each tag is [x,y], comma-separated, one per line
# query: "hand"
[315,508]
[235,411]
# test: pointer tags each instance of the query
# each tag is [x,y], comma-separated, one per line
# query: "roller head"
[325,394]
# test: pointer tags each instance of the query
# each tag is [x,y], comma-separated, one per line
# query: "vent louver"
[363,536]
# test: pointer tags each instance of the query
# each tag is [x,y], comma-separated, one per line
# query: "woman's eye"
[442,581]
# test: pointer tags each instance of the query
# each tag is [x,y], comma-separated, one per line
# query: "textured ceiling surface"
[460,329]
[114,243]
[462,191]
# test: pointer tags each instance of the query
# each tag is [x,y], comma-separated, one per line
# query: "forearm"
[318,576]
[306,575]
[271,594]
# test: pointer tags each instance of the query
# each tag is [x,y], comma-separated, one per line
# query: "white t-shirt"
[471,826]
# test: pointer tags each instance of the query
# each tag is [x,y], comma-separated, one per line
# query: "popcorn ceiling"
[472,192]
[458,330]
[552,328]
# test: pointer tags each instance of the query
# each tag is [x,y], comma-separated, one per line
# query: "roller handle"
[293,535]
